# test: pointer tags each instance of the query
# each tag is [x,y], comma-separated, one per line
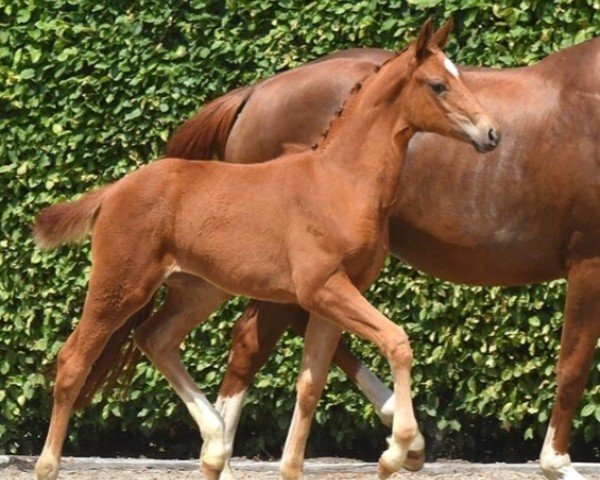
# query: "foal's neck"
[369,141]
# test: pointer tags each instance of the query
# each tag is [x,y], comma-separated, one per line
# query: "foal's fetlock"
[212,459]
[415,458]
[395,456]
[291,472]
[47,467]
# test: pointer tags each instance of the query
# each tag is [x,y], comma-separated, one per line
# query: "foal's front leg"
[342,303]
[321,340]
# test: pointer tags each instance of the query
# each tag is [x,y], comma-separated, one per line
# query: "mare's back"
[294,107]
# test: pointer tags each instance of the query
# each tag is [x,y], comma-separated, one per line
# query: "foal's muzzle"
[490,142]
[485,135]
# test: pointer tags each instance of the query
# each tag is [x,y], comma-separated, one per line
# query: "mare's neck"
[369,141]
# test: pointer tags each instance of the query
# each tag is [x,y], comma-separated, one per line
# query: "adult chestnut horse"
[529,213]
[310,229]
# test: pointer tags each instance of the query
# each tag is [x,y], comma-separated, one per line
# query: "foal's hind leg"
[190,301]
[111,299]
[578,344]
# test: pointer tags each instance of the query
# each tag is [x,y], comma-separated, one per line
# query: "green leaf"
[23,16]
[588,410]
[27,74]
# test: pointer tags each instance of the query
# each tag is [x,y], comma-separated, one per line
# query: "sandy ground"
[12,473]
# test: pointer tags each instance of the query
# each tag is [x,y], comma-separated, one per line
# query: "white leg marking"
[394,456]
[211,428]
[378,394]
[556,466]
[418,443]
[230,409]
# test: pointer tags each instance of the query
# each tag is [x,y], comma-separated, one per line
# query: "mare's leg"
[578,343]
[321,340]
[253,339]
[114,295]
[341,302]
[190,300]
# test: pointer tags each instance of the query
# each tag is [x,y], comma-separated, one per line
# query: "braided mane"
[353,91]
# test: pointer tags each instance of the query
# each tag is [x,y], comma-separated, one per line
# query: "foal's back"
[227,223]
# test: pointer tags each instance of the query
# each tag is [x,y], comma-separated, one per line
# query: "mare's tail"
[205,134]
[69,222]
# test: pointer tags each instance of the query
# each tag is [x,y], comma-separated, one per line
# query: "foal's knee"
[397,348]
[307,392]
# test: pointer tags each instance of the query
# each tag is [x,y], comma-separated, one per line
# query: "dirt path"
[13,473]
[352,470]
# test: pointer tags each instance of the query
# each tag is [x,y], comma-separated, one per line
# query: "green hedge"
[92,90]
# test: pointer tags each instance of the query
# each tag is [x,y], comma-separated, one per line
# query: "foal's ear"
[422,43]
[441,36]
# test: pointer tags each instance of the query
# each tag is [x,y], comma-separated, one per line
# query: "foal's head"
[436,99]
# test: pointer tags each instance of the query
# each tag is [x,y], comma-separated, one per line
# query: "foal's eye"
[438,88]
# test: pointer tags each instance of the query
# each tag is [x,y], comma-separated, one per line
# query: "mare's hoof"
[211,473]
[415,459]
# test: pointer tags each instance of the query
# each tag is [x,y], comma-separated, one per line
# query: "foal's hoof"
[227,473]
[415,459]
[211,473]
[383,471]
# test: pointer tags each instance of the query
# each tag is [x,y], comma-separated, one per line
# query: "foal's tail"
[68,222]
[206,133]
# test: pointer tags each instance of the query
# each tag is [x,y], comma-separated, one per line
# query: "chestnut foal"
[311,228]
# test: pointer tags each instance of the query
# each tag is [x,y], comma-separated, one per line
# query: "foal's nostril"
[493,136]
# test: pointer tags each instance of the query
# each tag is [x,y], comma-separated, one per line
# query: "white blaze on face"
[449,64]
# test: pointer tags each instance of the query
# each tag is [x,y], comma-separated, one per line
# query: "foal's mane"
[338,115]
